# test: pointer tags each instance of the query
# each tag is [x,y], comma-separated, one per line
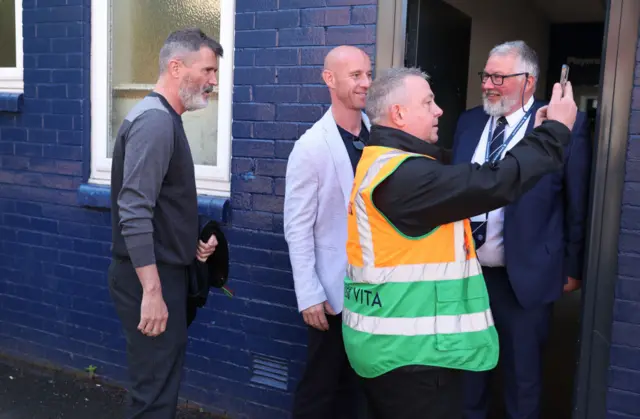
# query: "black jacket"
[423,193]
[204,275]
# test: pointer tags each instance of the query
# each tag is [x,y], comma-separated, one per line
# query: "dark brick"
[241,200]
[252,148]
[626,311]
[350,35]
[277,56]
[254,111]
[325,17]
[253,220]
[301,36]
[254,75]
[255,5]
[302,113]
[629,242]
[253,39]
[278,20]
[276,94]
[266,167]
[276,130]
[268,203]
[242,94]
[244,58]
[364,15]
[299,4]
[314,94]
[280,186]
[242,129]
[314,55]
[245,21]
[283,149]
[350,2]
[299,75]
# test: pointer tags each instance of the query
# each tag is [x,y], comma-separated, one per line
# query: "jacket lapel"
[471,137]
[339,154]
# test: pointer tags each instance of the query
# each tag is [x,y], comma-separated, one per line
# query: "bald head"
[347,74]
[341,55]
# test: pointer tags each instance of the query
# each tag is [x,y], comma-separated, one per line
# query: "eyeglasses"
[498,79]
[358,144]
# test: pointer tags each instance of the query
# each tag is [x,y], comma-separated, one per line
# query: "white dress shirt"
[491,253]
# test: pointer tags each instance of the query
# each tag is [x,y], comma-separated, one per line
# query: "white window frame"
[12,78]
[210,180]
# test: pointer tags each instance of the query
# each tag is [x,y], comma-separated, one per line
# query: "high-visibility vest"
[411,300]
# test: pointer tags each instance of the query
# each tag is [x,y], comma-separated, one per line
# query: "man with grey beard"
[154,217]
[532,249]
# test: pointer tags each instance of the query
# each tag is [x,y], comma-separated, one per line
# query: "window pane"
[7,33]
[138,30]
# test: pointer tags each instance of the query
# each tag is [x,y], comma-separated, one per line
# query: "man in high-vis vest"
[416,310]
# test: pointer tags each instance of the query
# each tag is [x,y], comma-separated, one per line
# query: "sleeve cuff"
[140,248]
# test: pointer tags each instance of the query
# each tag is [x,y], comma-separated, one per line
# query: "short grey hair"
[385,90]
[527,57]
[183,42]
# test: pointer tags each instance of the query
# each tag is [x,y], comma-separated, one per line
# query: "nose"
[438,112]
[213,79]
[366,81]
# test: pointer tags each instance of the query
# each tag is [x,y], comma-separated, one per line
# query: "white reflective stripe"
[431,325]
[362,217]
[364,231]
[414,273]
[458,241]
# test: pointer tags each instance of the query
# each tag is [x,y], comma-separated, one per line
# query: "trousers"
[154,363]
[329,387]
[415,392]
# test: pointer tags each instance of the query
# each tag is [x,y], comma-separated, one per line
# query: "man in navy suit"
[532,250]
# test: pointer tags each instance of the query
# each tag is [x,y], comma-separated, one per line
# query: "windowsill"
[99,197]
[11,101]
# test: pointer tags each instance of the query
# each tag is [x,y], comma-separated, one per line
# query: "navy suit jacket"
[544,230]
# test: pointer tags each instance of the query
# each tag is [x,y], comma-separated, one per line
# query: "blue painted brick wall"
[623,399]
[54,303]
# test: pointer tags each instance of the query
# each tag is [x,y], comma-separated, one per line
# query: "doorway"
[597,38]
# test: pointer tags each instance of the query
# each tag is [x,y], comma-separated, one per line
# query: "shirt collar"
[515,117]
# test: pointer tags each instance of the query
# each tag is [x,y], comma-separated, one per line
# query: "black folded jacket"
[212,273]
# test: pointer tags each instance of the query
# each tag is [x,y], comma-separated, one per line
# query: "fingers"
[568,91]
[556,93]
[314,316]
[322,321]
[329,309]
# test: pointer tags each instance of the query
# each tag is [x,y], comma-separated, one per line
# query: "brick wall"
[246,353]
[623,400]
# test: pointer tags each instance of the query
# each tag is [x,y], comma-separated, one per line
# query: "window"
[126,40]
[11,46]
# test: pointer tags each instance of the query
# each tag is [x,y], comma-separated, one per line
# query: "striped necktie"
[498,138]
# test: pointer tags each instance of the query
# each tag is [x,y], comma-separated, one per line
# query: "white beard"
[502,107]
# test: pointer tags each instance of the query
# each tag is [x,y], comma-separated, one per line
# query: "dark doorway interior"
[438,42]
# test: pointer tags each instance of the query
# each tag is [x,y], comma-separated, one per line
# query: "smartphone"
[564,76]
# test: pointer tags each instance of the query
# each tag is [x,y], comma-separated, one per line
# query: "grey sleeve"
[148,149]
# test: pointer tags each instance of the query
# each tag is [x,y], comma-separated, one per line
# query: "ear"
[396,115]
[174,68]
[328,78]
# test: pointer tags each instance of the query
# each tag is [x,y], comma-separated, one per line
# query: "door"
[438,42]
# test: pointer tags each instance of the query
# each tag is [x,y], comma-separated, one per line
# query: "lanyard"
[504,145]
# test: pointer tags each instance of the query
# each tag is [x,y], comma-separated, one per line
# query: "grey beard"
[498,109]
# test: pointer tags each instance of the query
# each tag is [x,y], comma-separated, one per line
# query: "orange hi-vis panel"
[411,300]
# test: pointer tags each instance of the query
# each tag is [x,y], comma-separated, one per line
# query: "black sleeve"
[148,150]
[423,194]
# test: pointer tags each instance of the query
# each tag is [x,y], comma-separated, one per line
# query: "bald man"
[320,173]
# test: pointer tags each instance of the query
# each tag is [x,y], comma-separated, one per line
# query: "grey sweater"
[154,208]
